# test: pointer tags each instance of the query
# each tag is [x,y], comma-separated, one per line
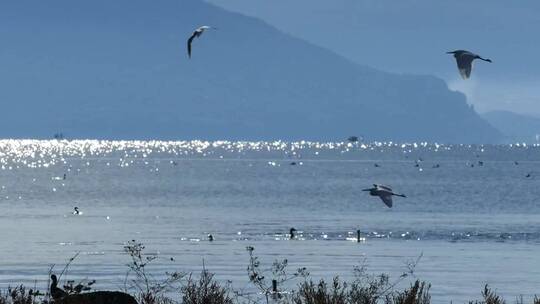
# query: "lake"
[472,212]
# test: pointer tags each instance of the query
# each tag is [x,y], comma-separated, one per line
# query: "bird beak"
[366,189]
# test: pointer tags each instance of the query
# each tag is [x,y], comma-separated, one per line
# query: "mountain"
[412,36]
[515,127]
[119,70]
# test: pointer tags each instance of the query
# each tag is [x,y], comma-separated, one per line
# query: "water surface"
[474,217]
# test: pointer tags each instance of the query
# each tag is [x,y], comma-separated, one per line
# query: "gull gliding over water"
[464,60]
[384,192]
[197,33]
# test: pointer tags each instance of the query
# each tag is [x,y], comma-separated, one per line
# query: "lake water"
[475,218]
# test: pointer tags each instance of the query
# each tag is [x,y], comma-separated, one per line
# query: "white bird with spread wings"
[197,33]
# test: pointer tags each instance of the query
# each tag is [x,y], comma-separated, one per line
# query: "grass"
[269,283]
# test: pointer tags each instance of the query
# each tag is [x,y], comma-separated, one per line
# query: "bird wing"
[464,63]
[387,199]
[383,187]
[189,43]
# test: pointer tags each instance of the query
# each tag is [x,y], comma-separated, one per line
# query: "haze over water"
[474,224]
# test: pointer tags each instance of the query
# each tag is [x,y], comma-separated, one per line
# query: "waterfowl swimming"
[291,233]
[384,192]
[76,211]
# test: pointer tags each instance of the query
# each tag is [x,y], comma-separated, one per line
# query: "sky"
[119,70]
[412,36]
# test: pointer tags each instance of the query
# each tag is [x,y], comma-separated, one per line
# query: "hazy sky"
[412,36]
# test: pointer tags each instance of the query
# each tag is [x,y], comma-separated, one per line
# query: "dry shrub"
[490,297]
[18,295]
[418,293]
[320,293]
[205,291]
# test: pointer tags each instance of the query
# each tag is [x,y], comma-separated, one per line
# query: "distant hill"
[515,127]
[119,70]
[412,36]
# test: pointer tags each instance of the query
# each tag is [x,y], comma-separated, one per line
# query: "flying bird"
[464,61]
[384,192]
[197,33]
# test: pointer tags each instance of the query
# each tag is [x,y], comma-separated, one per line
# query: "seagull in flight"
[464,61]
[384,192]
[197,33]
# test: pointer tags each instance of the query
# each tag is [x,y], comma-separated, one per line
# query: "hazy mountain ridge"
[515,127]
[412,36]
[120,70]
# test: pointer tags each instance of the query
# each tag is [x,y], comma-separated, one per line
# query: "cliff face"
[119,69]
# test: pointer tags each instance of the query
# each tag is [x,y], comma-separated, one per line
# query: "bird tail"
[402,195]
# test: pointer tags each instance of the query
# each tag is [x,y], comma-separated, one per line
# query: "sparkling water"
[471,212]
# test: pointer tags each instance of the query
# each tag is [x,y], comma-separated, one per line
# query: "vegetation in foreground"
[268,286]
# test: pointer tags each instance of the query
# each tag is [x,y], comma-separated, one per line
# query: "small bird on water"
[291,233]
[464,60]
[384,192]
[76,211]
[197,33]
